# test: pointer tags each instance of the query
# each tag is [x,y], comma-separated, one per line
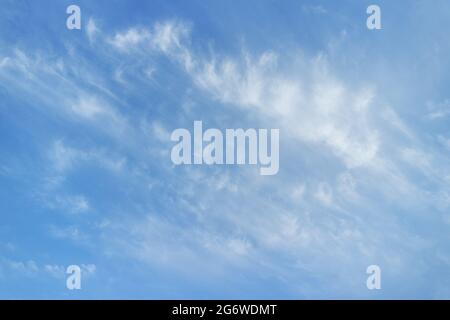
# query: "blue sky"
[86,176]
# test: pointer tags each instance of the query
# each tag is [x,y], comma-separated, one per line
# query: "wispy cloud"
[92,30]
[356,180]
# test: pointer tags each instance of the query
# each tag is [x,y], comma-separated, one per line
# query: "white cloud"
[392,117]
[204,220]
[307,100]
[56,271]
[161,133]
[92,30]
[324,194]
[4,62]
[97,111]
[89,107]
[88,269]
[298,192]
[347,186]
[128,40]
[28,268]
[438,110]
[239,246]
[315,107]
[69,88]
[165,37]
[62,156]
[65,158]
[72,233]
[71,204]
[168,36]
